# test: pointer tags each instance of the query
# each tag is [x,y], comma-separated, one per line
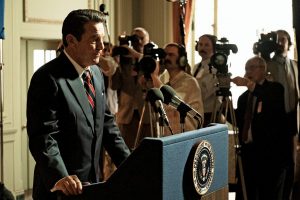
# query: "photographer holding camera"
[284,70]
[206,75]
[131,95]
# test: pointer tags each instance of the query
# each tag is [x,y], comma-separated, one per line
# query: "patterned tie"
[89,88]
[247,117]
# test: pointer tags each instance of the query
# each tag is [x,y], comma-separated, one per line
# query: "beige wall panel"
[156,17]
[52,11]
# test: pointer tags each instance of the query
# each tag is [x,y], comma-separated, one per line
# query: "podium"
[189,165]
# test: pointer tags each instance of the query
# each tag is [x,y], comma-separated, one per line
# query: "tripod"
[153,100]
[138,135]
[226,108]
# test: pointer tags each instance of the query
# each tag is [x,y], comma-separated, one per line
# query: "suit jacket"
[64,136]
[273,68]
[268,126]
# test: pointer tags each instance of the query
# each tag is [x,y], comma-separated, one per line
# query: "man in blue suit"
[66,132]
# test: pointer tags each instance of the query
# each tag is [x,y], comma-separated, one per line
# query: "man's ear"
[71,40]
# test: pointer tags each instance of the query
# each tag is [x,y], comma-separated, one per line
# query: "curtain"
[185,13]
[296,24]
[1,19]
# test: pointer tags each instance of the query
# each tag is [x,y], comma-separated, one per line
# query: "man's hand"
[155,76]
[69,185]
[240,81]
[133,53]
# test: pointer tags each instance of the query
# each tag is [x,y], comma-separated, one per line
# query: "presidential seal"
[203,167]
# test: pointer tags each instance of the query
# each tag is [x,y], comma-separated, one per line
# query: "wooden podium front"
[190,165]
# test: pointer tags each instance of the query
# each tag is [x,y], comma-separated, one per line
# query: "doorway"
[34,53]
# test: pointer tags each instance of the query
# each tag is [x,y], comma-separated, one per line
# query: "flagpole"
[1,113]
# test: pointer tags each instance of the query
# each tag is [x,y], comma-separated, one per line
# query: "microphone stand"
[183,112]
[161,125]
[182,120]
[181,21]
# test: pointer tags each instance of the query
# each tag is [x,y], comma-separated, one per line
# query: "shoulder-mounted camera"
[267,44]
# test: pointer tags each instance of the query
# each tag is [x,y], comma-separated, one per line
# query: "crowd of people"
[91,101]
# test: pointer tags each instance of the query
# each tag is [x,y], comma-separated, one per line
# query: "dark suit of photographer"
[284,70]
[265,146]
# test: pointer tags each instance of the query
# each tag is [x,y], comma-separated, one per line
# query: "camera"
[128,39]
[224,47]
[219,61]
[147,64]
[267,44]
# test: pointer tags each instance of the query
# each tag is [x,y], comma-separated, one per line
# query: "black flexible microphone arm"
[184,110]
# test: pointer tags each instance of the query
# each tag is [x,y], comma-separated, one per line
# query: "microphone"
[156,98]
[171,98]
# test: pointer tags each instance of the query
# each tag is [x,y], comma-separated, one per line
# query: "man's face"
[142,40]
[283,44]
[88,50]
[205,47]
[171,57]
[254,71]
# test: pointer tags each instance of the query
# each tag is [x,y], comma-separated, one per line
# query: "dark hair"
[287,35]
[212,38]
[75,21]
[182,57]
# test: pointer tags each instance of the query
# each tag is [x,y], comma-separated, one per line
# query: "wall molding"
[54,13]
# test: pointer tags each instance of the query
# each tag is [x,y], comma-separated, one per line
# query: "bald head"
[256,69]
[143,38]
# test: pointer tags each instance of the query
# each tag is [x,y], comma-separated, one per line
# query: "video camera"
[147,64]
[267,44]
[128,39]
[219,61]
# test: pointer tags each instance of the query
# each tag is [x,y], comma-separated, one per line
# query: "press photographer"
[131,97]
[128,46]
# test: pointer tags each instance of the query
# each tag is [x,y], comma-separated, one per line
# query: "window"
[242,22]
[41,57]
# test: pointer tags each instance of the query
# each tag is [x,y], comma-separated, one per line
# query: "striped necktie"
[89,88]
